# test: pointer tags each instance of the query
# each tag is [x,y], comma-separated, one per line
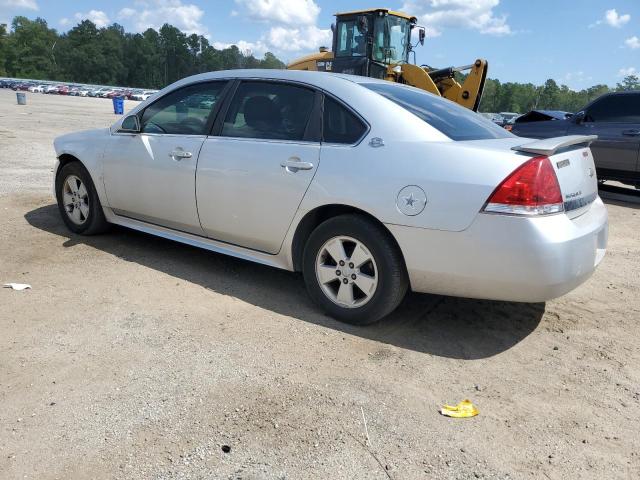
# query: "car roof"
[319,79]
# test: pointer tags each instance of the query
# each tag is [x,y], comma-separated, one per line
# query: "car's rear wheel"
[354,270]
[78,200]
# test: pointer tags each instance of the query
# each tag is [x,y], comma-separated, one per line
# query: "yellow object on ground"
[464,409]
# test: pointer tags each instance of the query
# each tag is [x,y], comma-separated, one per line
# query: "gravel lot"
[135,357]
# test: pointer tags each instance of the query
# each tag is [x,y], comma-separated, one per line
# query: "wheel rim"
[75,199]
[346,272]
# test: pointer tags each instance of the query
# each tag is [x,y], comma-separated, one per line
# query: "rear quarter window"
[340,125]
[456,122]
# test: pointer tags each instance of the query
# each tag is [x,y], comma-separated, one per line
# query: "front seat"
[262,115]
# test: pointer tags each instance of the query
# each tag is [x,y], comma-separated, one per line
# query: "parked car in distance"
[613,117]
[143,95]
[22,86]
[543,116]
[507,117]
[114,93]
[368,187]
[493,117]
[36,88]
[52,89]
[98,92]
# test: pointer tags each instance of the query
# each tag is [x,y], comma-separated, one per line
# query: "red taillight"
[532,189]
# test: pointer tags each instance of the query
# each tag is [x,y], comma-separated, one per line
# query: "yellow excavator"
[377,43]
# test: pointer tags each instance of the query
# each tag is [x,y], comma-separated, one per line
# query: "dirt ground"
[137,358]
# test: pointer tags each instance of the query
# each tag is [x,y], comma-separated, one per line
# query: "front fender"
[87,147]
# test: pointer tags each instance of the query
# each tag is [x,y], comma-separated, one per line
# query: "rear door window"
[615,108]
[456,122]
[339,124]
[269,110]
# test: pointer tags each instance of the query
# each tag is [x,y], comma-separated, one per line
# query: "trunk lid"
[573,163]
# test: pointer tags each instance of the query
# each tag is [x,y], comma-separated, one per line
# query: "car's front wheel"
[78,200]
[354,270]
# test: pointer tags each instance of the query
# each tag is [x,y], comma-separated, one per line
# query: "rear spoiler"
[550,146]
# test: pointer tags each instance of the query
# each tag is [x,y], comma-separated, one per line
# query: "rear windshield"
[456,122]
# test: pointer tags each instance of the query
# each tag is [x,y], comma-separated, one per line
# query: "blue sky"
[577,42]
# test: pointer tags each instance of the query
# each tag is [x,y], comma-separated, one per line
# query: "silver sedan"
[369,188]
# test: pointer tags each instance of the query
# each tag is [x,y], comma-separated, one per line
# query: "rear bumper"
[509,258]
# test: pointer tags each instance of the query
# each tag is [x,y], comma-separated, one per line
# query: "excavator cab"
[368,42]
[377,43]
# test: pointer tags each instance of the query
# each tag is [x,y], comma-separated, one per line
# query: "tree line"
[522,97]
[111,56]
[156,58]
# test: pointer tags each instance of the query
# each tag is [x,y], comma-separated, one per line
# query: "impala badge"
[563,163]
[590,172]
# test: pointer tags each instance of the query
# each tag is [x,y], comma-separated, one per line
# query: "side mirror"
[363,24]
[131,124]
[578,118]
[422,34]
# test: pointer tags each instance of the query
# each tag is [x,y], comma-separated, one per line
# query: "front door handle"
[631,133]
[178,155]
[294,164]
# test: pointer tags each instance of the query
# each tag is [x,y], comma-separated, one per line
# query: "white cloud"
[19,4]
[437,15]
[296,39]
[574,80]
[633,42]
[612,18]
[625,72]
[292,25]
[288,12]
[96,16]
[257,49]
[155,13]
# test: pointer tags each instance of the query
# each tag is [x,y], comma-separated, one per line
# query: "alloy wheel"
[347,272]
[75,199]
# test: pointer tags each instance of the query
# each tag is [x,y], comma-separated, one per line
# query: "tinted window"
[339,124]
[185,111]
[276,111]
[615,108]
[456,122]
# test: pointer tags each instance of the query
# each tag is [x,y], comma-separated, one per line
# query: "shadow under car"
[445,326]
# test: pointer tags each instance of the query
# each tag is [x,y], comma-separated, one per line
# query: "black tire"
[391,271]
[94,222]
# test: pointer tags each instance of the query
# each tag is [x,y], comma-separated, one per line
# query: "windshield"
[391,39]
[351,43]
[456,122]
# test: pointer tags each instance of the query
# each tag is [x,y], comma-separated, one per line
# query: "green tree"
[111,56]
[549,98]
[29,50]
[4,40]
[630,82]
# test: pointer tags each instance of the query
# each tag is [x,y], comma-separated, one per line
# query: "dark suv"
[615,118]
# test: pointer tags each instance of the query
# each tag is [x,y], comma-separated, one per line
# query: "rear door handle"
[631,133]
[294,164]
[178,155]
